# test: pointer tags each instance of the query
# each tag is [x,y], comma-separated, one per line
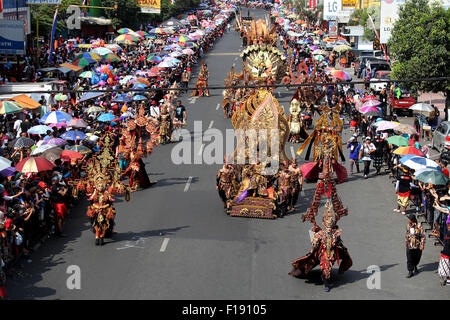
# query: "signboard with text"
[43,1]
[12,37]
[331,9]
[348,3]
[388,16]
[150,6]
[332,28]
[24,15]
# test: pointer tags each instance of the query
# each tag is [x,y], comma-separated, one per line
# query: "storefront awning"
[26,102]
[71,67]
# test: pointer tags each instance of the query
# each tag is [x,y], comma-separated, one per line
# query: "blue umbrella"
[407,157]
[122,99]
[8,172]
[106,117]
[56,117]
[40,129]
[73,135]
[140,86]
[417,163]
[139,97]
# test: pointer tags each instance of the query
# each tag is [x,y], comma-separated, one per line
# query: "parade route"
[174,240]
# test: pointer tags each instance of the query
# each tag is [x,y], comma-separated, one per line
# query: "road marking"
[211,124]
[279,94]
[164,245]
[292,152]
[193,100]
[218,106]
[188,183]
[200,151]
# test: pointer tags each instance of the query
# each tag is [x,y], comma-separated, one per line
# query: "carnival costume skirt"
[444,266]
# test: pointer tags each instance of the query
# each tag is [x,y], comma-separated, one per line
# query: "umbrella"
[56,117]
[408,150]
[106,117]
[23,143]
[124,30]
[126,38]
[188,51]
[34,164]
[369,97]
[433,177]
[7,172]
[4,163]
[52,154]
[42,148]
[142,33]
[419,162]
[319,51]
[80,149]
[386,125]
[340,74]
[122,99]
[140,86]
[55,141]
[101,51]
[88,55]
[421,107]
[419,171]
[144,81]
[73,135]
[77,123]
[70,154]
[371,103]
[94,109]
[83,62]
[40,129]
[367,109]
[191,17]
[156,59]
[111,57]
[318,57]
[398,141]
[139,97]
[7,107]
[405,128]
[175,54]
[86,74]
[372,114]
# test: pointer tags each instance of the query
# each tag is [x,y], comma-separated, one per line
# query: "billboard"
[24,15]
[388,16]
[150,6]
[332,28]
[348,3]
[12,37]
[331,9]
[312,4]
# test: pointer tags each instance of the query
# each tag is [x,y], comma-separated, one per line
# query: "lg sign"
[332,6]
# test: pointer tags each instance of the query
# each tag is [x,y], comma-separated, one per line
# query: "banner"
[388,16]
[312,4]
[150,6]
[348,3]
[331,9]
[55,19]
[23,13]
[12,37]
[332,28]
[43,1]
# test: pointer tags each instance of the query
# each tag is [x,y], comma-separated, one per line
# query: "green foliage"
[46,13]
[360,17]
[420,45]
[125,15]
[169,10]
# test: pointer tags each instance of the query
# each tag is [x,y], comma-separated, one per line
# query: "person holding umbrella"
[365,155]
[415,243]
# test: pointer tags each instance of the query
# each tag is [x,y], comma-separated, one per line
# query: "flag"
[1,5]
[55,18]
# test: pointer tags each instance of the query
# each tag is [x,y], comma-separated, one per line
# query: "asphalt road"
[175,242]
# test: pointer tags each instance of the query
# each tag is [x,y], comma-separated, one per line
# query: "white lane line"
[218,106]
[302,193]
[188,183]
[279,95]
[193,100]
[211,124]
[164,245]
[200,152]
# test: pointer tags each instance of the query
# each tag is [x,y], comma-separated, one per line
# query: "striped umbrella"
[7,107]
[34,164]
[419,162]
[80,149]
[56,117]
[124,30]
[101,51]
[368,109]
[88,55]
[111,57]
[371,103]
[408,151]
[83,62]
[126,38]
[142,33]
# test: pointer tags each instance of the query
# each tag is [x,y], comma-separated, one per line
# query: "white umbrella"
[4,163]
[175,54]
[42,148]
[422,107]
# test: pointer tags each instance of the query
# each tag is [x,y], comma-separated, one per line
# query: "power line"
[316,84]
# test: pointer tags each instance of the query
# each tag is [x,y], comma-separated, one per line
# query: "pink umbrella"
[58,125]
[367,109]
[371,103]
[340,74]
[370,97]
[386,125]
[78,123]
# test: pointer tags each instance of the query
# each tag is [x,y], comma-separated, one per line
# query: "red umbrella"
[71,154]
[34,164]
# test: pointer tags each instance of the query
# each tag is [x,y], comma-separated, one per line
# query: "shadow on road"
[133,236]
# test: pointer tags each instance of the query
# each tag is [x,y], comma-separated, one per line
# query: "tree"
[125,15]
[360,17]
[420,46]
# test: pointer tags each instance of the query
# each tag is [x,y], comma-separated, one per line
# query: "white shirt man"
[17,127]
